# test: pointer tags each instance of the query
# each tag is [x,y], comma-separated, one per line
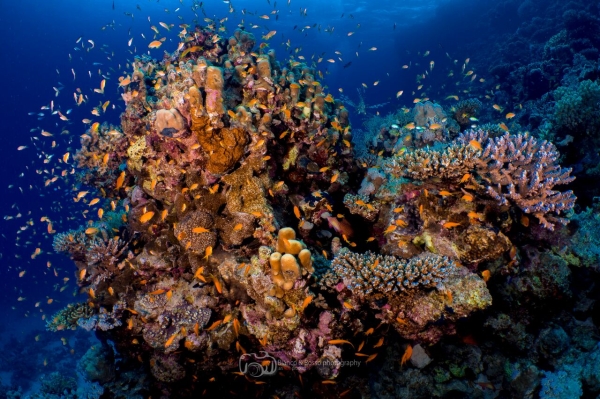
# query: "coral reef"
[249,223]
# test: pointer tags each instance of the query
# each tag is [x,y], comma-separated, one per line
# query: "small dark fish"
[295,26]
[348,64]
[113,4]
[168,131]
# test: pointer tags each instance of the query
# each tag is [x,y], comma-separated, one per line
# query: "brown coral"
[224,147]
[478,244]
[245,192]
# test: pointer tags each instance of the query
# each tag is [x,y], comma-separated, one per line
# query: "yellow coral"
[290,158]
[135,152]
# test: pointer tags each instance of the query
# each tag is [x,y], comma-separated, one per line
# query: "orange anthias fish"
[486,274]
[406,356]
[339,341]
[218,285]
[146,217]
[120,181]
[171,339]
[389,229]
[340,226]
[475,144]
[155,44]
[208,253]
[449,225]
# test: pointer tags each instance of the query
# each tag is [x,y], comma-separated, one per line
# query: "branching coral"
[104,257]
[451,162]
[515,169]
[524,171]
[359,205]
[74,242]
[576,108]
[366,274]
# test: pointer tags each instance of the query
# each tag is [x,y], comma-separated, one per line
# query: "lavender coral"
[524,171]
[511,169]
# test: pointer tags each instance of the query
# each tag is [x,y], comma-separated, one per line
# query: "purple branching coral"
[523,170]
[512,169]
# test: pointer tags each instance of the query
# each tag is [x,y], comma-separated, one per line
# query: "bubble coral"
[170,123]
